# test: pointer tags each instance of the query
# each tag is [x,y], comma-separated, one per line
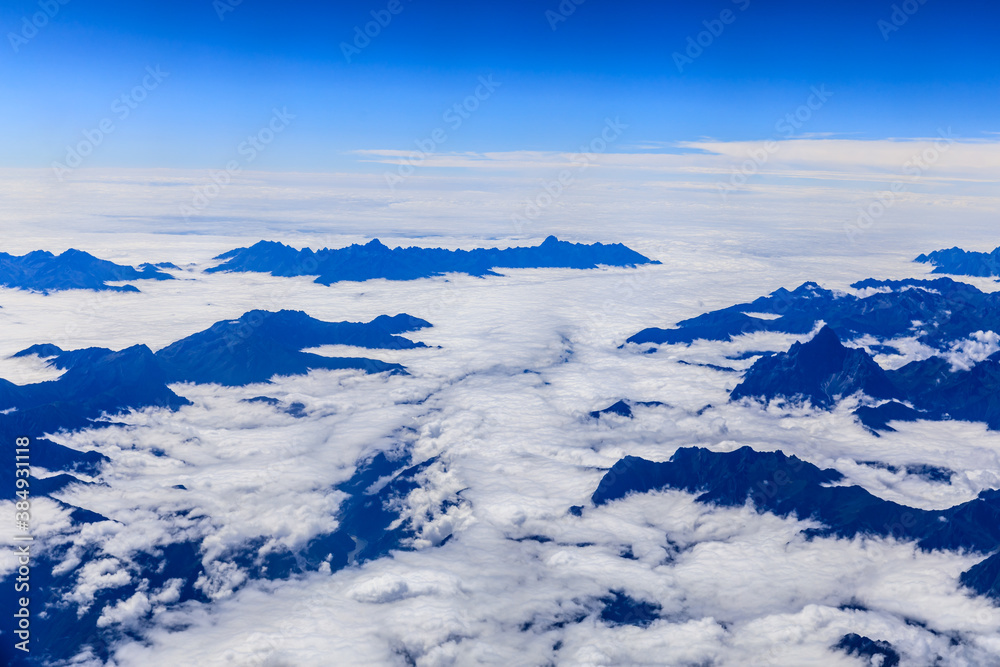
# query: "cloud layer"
[500,570]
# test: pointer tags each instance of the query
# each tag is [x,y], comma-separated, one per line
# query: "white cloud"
[517,448]
[97,575]
[125,612]
[965,354]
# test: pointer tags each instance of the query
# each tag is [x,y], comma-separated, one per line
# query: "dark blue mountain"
[43,350]
[99,381]
[960,262]
[821,370]
[623,408]
[972,395]
[945,309]
[74,269]
[376,493]
[261,344]
[253,348]
[984,578]
[785,485]
[376,260]
[96,381]
[863,647]
[294,409]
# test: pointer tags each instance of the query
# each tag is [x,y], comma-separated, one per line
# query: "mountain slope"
[261,344]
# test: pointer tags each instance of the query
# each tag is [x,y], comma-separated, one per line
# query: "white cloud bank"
[519,449]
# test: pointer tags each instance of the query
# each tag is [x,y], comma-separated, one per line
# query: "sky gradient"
[227,67]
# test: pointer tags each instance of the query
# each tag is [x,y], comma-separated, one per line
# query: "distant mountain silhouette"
[972,395]
[946,310]
[622,609]
[621,408]
[96,381]
[376,260]
[960,262]
[877,418]
[74,269]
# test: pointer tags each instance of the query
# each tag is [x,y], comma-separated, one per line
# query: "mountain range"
[935,312]
[823,370]
[963,262]
[376,260]
[253,348]
[41,271]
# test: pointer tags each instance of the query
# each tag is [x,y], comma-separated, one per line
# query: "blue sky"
[557,86]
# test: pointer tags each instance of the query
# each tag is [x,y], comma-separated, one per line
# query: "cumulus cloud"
[965,354]
[97,575]
[125,612]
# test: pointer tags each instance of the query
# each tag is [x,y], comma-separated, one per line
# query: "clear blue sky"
[940,68]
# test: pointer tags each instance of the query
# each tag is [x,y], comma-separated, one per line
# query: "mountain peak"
[825,337]
[42,350]
[820,370]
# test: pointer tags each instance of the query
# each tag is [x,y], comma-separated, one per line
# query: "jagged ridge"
[376,260]
[74,269]
[947,310]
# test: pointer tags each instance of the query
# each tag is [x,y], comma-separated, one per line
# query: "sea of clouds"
[501,398]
